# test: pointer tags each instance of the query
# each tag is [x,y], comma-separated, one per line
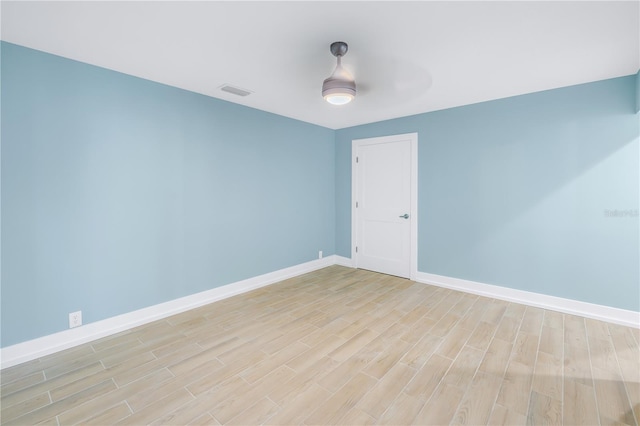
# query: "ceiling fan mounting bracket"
[339,48]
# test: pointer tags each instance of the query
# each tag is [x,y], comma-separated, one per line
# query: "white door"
[384,208]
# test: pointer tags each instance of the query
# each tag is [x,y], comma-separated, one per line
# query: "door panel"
[383,195]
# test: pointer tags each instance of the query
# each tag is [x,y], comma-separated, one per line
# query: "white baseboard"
[567,306]
[42,346]
[343,261]
[46,345]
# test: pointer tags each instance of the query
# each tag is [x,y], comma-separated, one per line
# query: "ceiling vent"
[235,90]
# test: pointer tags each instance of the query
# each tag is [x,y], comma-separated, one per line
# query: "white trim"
[568,306]
[355,143]
[414,205]
[36,348]
[343,261]
[354,211]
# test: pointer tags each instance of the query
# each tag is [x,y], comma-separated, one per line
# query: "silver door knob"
[405,216]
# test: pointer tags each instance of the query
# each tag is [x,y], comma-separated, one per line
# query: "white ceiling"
[407,57]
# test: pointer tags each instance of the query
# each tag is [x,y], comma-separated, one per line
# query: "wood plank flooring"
[341,346]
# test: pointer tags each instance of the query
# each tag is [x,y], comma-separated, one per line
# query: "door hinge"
[356,204]
[356,159]
[356,249]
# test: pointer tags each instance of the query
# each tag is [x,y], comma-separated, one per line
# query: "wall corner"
[638,92]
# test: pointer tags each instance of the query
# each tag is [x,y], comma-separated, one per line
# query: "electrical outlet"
[320,254]
[75,319]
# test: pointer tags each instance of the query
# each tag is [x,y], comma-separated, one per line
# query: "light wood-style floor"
[341,346]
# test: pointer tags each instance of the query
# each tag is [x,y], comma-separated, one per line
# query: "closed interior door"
[383,204]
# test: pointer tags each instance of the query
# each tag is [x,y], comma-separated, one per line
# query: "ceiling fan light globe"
[339,98]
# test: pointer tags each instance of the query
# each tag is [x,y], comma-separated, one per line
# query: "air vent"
[235,90]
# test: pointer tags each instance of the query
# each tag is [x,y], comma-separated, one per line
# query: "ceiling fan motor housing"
[334,84]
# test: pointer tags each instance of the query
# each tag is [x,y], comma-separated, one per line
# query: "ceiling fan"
[340,87]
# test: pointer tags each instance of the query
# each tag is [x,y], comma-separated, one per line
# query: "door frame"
[355,143]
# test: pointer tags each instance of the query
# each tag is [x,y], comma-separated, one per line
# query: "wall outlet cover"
[75,319]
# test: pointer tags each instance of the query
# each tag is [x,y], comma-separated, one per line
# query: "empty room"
[317,212]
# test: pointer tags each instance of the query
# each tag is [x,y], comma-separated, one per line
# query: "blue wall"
[119,193]
[536,192]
